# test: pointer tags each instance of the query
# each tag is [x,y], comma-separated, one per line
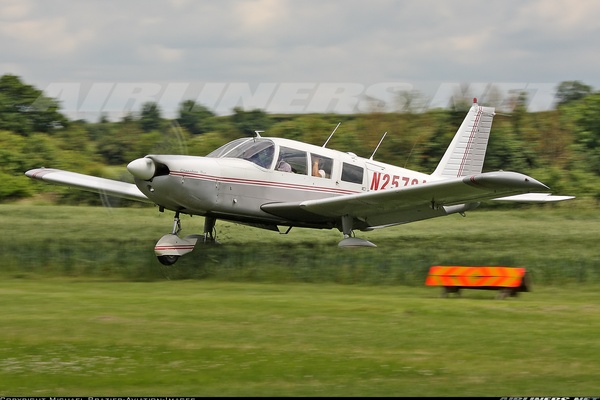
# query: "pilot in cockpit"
[284,166]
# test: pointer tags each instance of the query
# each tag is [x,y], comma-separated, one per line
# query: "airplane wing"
[406,204]
[90,183]
[534,198]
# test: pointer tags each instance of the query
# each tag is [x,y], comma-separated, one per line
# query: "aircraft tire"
[167,260]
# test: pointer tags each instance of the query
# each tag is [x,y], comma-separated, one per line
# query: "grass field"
[88,311]
[66,337]
[555,245]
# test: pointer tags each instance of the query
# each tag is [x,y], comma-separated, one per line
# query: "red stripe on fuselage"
[256,182]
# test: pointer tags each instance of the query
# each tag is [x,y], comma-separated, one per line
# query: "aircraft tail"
[466,152]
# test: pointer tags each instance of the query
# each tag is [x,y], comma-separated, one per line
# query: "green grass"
[72,337]
[555,245]
[88,311]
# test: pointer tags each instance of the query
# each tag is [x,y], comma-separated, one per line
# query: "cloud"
[49,37]
[420,43]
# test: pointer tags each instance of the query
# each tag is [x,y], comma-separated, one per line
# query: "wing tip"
[38,173]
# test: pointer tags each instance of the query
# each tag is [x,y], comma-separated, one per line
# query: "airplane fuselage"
[233,182]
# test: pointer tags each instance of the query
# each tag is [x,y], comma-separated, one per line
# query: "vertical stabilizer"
[466,153]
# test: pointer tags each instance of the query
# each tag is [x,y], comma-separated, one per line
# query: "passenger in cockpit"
[316,170]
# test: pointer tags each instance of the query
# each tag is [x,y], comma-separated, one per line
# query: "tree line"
[560,147]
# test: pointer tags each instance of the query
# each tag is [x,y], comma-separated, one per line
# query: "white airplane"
[274,182]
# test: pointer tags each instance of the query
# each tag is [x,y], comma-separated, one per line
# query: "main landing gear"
[349,239]
[170,247]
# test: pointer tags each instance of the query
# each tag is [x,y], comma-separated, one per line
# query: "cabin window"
[295,158]
[352,173]
[320,166]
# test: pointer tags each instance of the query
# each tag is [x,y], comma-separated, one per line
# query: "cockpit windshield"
[258,151]
[226,148]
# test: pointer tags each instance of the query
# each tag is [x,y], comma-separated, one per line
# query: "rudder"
[466,153]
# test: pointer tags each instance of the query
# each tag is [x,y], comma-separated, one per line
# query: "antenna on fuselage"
[258,133]
[378,144]
[327,141]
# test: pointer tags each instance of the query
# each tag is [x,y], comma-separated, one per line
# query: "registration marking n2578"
[380,181]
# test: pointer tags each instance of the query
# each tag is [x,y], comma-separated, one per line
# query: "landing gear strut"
[349,239]
[209,230]
[170,247]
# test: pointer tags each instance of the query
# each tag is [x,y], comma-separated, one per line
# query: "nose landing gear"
[170,247]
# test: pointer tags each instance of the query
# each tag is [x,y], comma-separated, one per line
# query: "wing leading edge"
[90,183]
[534,198]
[433,199]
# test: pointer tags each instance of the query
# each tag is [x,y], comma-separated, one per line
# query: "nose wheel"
[167,260]
[171,247]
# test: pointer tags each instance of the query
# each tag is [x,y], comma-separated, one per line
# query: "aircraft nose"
[142,168]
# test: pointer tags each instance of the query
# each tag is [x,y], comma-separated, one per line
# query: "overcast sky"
[293,56]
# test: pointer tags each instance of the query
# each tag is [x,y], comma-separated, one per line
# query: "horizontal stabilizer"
[534,198]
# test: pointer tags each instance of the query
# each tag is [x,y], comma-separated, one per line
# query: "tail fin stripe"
[470,142]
